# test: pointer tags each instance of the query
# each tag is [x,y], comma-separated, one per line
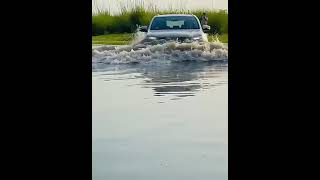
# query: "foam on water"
[159,52]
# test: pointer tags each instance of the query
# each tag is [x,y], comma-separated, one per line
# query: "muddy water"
[160,112]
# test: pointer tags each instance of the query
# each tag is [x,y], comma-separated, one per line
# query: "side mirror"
[143,29]
[206,28]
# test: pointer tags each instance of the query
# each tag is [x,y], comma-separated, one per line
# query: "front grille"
[180,39]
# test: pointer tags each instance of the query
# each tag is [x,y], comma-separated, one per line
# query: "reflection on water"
[160,121]
[169,79]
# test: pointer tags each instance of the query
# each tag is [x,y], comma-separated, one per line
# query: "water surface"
[160,120]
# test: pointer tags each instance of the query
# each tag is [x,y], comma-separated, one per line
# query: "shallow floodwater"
[161,120]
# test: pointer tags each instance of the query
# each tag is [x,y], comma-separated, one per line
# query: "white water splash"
[138,36]
[159,52]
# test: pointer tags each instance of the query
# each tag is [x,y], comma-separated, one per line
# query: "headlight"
[197,38]
[152,38]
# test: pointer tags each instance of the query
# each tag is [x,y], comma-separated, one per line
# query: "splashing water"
[138,36]
[159,51]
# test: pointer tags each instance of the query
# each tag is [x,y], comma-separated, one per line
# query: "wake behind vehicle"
[177,27]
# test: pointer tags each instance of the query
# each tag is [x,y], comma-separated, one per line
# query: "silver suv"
[178,27]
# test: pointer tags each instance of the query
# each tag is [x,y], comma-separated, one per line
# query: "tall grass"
[137,13]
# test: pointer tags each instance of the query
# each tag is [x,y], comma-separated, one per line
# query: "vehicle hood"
[188,33]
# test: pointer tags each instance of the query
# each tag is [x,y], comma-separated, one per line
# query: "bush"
[126,21]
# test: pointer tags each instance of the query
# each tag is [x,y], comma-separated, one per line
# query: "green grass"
[117,29]
[137,14]
[123,39]
[112,39]
[222,38]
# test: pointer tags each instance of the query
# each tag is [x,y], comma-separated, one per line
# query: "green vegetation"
[123,39]
[112,39]
[117,29]
[103,22]
[222,38]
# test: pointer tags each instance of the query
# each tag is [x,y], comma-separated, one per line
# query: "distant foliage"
[130,17]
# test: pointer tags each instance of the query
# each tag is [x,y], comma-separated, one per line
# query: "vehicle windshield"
[174,22]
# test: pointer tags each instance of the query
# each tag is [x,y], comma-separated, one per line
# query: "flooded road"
[160,116]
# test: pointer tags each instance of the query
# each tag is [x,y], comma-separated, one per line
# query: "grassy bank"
[123,39]
[131,15]
[112,39]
